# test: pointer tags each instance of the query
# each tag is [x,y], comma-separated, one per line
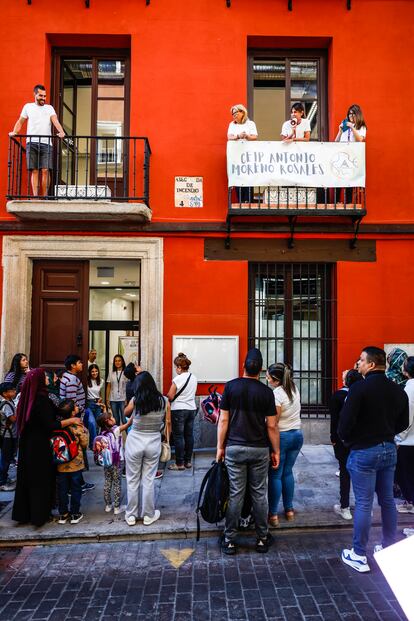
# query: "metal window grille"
[292,319]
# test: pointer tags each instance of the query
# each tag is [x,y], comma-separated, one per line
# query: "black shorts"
[39,155]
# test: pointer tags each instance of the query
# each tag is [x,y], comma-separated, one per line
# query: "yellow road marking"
[177,557]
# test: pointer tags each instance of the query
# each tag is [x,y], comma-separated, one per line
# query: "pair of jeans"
[69,482]
[7,454]
[404,473]
[92,412]
[372,470]
[247,465]
[341,454]
[182,429]
[282,480]
[117,408]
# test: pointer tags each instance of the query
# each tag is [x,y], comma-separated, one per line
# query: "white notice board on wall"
[213,358]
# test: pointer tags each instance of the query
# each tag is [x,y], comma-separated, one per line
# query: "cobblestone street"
[301,578]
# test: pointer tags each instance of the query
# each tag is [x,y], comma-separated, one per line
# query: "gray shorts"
[39,155]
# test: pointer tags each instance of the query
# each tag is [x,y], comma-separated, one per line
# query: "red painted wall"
[189,64]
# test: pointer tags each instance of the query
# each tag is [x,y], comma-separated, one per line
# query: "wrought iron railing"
[79,168]
[282,200]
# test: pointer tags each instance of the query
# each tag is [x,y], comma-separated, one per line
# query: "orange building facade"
[309,288]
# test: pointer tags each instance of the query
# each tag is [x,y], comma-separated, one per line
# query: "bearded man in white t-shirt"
[39,152]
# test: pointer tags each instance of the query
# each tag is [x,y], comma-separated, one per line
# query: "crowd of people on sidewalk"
[48,421]
[259,438]
[372,415]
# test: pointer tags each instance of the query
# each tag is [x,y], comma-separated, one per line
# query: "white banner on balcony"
[303,164]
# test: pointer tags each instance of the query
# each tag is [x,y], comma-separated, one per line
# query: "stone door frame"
[17,261]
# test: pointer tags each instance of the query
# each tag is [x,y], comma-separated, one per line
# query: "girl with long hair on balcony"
[242,128]
[353,128]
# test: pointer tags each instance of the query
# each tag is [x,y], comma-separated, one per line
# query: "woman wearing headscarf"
[36,419]
[396,359]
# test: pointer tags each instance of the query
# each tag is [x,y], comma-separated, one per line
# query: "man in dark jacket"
[374,412]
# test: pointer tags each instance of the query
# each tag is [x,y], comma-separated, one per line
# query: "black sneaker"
[227,546]
[87,486]
[263,545]
[63,518]
[76,518]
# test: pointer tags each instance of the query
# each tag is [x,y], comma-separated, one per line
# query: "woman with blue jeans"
[287,400]
[116,389]
[94,403]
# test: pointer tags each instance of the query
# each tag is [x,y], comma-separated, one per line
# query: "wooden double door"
[60,307]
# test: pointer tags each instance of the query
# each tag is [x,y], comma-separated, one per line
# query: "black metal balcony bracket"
[147,2]
[228,3]
[292,222]
[87,4]
[290,5]
[348,4]
[356,223]
[29,2]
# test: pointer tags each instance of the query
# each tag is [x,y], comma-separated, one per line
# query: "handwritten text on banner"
[304,164]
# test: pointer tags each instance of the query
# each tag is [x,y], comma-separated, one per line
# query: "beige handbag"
[165,452]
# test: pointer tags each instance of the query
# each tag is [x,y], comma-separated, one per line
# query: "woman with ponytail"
[287,400]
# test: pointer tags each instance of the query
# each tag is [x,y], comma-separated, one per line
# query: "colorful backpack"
[106,450]
[64,446]
[211,405]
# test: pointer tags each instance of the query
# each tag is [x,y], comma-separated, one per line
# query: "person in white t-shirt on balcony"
[353,128]
[39,153]
[297,128]
[242,128]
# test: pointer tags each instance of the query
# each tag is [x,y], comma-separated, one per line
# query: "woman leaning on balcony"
[356,129]
[242,128]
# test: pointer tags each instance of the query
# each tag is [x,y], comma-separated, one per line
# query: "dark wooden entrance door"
[60,305]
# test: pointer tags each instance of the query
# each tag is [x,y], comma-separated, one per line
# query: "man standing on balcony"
[374,412]
[39,116]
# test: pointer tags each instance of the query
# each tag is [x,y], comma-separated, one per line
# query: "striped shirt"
[71,388]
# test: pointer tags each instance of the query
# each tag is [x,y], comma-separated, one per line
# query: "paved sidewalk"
[317,490]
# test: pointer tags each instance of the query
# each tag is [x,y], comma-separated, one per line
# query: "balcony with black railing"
[79,177]
[309,180]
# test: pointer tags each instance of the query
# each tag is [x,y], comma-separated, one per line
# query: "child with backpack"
[108,452]
[69,473]
[8,433]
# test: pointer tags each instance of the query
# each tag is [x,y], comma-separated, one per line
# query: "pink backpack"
[211,405]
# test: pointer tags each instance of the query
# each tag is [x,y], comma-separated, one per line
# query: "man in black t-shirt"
[247,429]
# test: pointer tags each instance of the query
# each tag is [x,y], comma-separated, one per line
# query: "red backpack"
[64,446]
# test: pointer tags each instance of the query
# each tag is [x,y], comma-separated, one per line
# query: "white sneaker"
[108,508]
[378,547]
[337,473]
[357,562]
[344,513]
[118,510]
[408,532]
[406,507]
[150,520]
[130,520]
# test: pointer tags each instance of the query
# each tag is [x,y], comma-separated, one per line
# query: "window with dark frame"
[291,319]
[279,78]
